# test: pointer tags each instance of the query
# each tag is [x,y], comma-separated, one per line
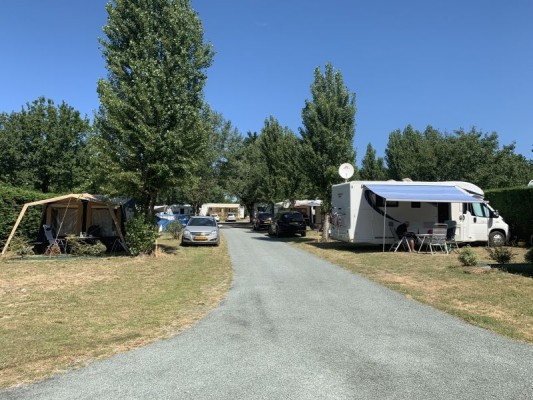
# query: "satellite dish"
[346,170]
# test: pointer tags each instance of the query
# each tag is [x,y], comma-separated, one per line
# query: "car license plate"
[200,238]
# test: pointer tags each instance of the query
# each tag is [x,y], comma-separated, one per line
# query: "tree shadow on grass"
[164,248]
[342,246]
[516,268]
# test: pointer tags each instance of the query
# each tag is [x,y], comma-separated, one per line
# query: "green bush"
[501,254]
[11,202]
[79,248]
[515,205]
[468,257]
[140,236]
[21,246]
[175,228]
[529,256]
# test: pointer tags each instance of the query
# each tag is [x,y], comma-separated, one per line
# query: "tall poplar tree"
[372,169]
[279,150]
[150,107]
[328,133]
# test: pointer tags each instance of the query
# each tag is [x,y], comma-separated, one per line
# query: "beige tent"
[76,214]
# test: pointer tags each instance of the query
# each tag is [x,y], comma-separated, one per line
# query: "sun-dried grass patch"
[62,313]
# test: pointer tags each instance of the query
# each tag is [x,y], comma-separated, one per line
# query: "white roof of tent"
[423,193]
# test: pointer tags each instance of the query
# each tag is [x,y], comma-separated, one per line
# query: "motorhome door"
[476,222]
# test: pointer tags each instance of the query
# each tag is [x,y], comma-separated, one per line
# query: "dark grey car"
[287,222]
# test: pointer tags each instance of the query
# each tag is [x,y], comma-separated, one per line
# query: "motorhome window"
[480,210]
[415,204]
[380,202]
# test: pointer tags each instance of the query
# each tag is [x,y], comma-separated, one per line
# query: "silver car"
[201,230]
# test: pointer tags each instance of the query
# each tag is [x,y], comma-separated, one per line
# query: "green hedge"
[515,205]
[11,201]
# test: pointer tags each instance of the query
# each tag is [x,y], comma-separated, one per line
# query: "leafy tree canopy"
[328,131]
[43,147]
[151,137]
[372,169]
[471,156]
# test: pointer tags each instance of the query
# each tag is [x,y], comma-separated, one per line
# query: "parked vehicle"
[216,217]
[184,218]
[231,217]
[262,221]
[364,212]
[201,230]
[287,222]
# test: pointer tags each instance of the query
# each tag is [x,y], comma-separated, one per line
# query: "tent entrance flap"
[423,193]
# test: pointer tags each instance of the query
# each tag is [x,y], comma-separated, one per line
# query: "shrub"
[502,255]
[468,257]
[175,228]
[140,236]
[529,256]
[21,246]
[11,202]
[86,249]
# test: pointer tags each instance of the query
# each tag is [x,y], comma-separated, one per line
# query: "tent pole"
[119,231]
[384,220]
[22,212]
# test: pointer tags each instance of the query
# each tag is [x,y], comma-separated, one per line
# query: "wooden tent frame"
[82,196]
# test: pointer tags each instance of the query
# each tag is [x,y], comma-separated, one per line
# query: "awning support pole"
[384,221]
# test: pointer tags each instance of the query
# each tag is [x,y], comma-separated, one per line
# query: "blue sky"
[453,64]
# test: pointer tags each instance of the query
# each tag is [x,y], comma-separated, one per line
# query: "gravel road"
[296,327]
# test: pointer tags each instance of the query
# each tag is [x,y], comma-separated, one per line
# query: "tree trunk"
[250,210]
[149,216]
[325,227]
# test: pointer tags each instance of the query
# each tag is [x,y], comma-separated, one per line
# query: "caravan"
[366,212]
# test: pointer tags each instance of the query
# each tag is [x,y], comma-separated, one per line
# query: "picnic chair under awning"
[398,241]
[53,241]
[436,240]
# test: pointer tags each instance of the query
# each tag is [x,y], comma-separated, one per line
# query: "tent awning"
[423,193]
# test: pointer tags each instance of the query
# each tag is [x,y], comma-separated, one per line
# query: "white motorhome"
[366,212]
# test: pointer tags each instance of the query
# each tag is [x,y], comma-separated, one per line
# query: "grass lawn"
[490,298]
[60,313]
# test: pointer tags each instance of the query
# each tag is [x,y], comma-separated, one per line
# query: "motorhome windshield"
[479,210]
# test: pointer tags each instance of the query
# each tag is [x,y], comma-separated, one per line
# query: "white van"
[365,212]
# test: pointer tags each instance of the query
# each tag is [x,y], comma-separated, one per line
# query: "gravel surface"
[296,327]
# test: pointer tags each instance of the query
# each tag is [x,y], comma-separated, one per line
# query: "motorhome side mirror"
[495,214]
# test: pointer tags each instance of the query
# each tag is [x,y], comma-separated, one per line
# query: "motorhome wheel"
[496,238]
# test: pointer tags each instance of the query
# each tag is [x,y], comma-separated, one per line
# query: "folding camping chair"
[438,238]
[450,236]
[397,240]
[53,241]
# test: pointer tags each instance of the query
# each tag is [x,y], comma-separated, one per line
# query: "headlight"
[213,234]
[186,233]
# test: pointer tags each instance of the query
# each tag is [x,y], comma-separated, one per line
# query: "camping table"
[424,237]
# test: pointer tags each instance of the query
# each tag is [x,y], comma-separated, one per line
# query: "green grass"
[57,314]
